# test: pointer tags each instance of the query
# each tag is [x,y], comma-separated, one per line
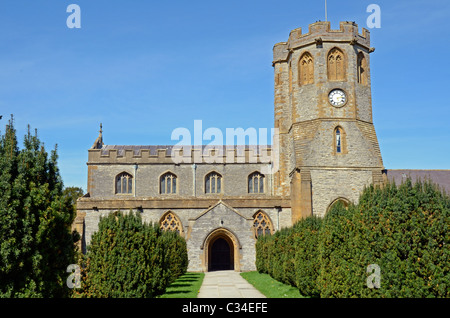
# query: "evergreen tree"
[37,245]
[131,259]
[307,260]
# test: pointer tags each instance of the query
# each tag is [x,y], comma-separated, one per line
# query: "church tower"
[323,109]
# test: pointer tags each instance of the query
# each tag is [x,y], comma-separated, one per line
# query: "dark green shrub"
[401,229]
[129,258]
[407,227]
[337,253]
[307,261]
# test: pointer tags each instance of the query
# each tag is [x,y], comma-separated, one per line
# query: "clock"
[337,98]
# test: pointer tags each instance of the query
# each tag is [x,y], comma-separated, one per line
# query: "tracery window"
[362,69]
[306,69]
[213,183]
[168,183]
[170,222]
[336,65]
[124,183]
[256,183]
[262,224]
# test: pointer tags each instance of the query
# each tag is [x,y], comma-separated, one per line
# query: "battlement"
[318,33]
[179,154]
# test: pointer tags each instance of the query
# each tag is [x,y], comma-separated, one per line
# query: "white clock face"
[337,97]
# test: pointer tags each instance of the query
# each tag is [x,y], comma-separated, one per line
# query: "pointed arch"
[124,183]
[262,225]
[171,222]
[346,202]
[362,70]
[256,182]
[168,183]
[306,69]
[233,243]
[336,65]
[339,140]
[213,182]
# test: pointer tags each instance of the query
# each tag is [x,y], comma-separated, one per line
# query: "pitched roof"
[440,177]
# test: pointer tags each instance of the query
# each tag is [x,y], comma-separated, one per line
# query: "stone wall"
[190,180]
[331,184]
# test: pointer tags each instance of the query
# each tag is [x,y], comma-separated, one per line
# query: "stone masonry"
[326,153]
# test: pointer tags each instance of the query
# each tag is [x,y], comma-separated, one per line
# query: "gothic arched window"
[124,183]
[339,143]
[170,222]
[362,69]
[256,183]
[262,224]
[306,69]
[338,140]
[168,183]
[213,183]
[336,65]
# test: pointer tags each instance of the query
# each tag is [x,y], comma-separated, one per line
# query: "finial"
[99,141]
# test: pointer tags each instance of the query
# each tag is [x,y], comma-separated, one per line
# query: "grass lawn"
[270,287]
[186,286]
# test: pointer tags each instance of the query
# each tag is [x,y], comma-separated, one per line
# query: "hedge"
[401,229]
[129,258]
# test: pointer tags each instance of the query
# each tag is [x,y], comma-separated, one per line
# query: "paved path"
[227,284]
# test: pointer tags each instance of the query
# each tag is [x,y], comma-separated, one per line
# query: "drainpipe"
[194,167]
[134,179]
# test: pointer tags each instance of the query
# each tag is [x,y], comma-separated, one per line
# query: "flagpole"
[326,18]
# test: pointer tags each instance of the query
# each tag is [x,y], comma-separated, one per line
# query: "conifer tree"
[131,259]
[35,220]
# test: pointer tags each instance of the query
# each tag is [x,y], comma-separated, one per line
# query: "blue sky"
[144,68]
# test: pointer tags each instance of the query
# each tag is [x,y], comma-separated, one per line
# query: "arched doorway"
[221,251]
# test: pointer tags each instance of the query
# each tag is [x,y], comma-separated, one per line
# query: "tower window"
[124,183]
[262,224]
[213,183]
[338,141]
[336,65]
[256,183]
[306,69]
[362,69]
[168,183]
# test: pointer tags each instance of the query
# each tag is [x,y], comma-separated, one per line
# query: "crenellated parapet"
[319,33]
[114,154]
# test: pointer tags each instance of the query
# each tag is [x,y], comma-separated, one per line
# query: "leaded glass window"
[213,183]
[262,224]
[124,183]
[168,183]
[256,183]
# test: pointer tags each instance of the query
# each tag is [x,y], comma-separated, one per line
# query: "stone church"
[327,152]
